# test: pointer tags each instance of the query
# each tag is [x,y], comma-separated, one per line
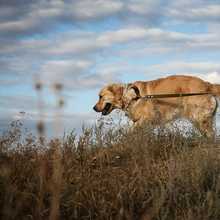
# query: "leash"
[174,95]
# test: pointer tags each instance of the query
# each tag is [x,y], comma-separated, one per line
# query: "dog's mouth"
[107,109]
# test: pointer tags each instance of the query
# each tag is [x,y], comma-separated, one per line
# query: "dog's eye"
[100,96]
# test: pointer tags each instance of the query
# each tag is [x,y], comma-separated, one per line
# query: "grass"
[110,173]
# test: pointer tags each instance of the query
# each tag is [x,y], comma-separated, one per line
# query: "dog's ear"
[132,92]
[136,90]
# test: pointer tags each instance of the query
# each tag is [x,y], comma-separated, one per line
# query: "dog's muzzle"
[107,109]
[95,108]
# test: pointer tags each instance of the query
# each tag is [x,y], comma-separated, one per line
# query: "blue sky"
[85,44]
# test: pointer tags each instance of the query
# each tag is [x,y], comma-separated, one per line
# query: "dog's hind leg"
[202,115]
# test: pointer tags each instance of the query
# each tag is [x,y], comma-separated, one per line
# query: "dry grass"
[110,174]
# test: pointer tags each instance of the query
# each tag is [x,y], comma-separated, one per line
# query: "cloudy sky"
[85,44]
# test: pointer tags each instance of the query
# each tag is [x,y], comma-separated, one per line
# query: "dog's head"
[115,96]
[110,98]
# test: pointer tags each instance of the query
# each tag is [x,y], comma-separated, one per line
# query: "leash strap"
[172,95]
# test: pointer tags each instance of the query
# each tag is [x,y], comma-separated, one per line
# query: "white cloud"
[212,77]
[75,74]
[16,19]
[183,67]
[121,36]
[139,33]
[16,25]
[74,45]
[50,13]
[194,11]
[63,71]
[87,9]
[143,7]
[85,43]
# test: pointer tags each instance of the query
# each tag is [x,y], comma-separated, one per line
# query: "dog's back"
[173,84]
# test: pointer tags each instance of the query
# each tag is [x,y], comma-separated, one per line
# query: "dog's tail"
[215,89]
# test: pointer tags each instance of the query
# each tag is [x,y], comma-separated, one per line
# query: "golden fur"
[200,110]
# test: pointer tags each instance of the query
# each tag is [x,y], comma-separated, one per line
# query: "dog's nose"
[94,108]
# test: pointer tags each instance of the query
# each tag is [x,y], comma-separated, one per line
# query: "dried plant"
[56,182]
[110,174]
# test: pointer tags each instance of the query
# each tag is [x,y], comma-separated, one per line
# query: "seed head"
[61,103]
[40,127]
[58,86]
[38,86]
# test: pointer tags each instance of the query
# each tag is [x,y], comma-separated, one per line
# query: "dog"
[200,110]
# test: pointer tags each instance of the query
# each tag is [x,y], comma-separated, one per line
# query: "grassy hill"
[110,173]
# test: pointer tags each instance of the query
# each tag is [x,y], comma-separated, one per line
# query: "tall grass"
[110,173]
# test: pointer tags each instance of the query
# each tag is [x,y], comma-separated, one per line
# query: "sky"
[86,44]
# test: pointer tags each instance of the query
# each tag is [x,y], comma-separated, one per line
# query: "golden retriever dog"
[199,109]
